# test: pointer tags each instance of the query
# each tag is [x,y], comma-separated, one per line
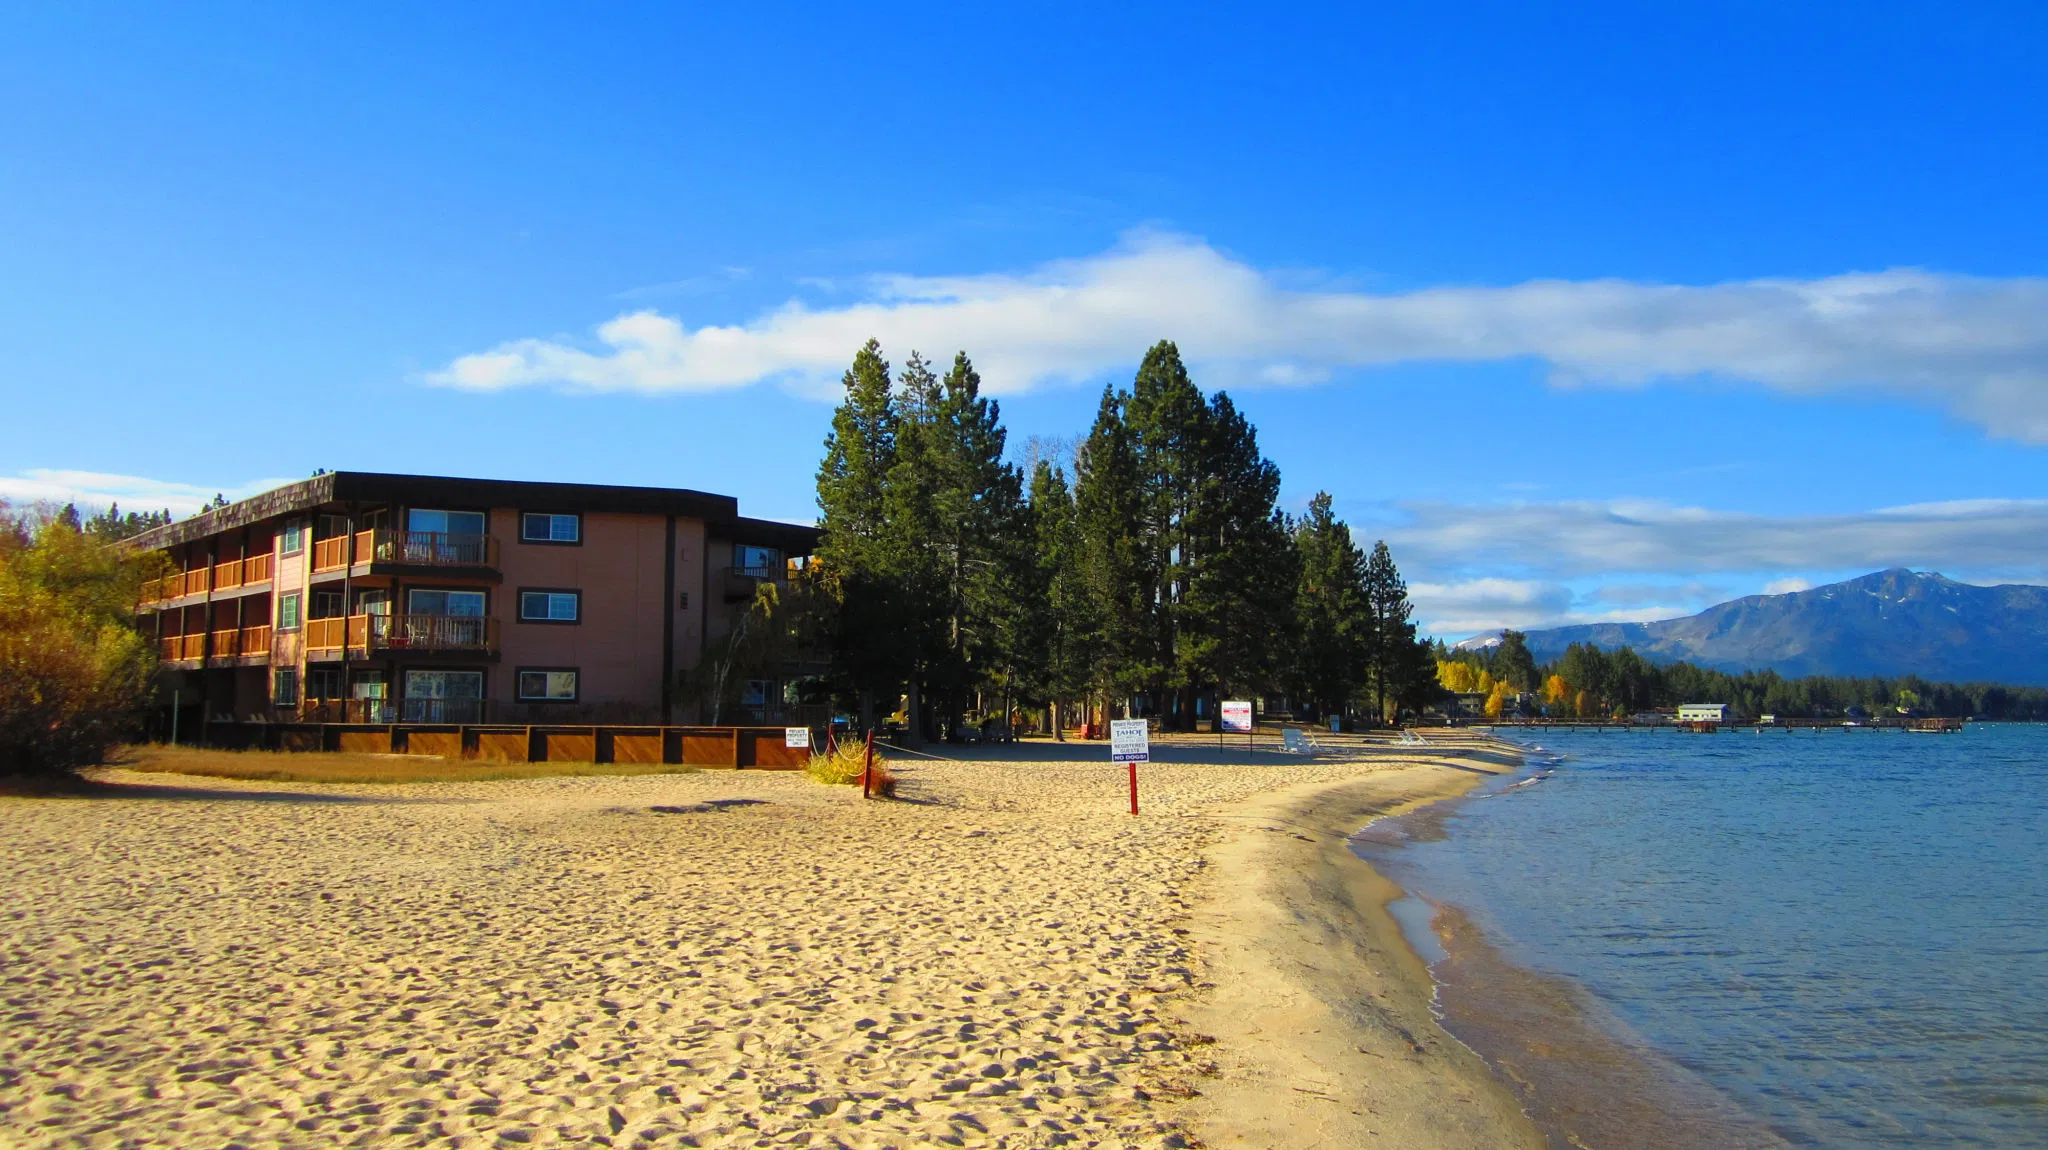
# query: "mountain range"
[1888,623]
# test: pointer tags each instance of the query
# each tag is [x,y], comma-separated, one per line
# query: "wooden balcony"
[228,576]
[180,648]
[368,633]
[407,548]
[242,643]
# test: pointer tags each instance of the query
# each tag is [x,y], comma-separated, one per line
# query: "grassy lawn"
[327,767]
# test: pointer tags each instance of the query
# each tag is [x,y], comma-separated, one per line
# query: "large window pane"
[469,604]
[423,684]
[444,522]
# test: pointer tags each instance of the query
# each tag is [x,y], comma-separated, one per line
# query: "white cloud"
[1787,586]
[98,489]
[1568,540]
[1455,610]
[1977,347]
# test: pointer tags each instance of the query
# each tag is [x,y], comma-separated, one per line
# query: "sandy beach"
[1003,957]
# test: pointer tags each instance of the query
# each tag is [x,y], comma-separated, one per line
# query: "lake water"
[1828,939]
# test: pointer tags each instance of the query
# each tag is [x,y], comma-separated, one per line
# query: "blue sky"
[1608,311]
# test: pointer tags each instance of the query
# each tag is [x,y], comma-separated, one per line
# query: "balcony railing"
[176,648]
[441,711]
[433,632]
[403,633]
[741,581]
[239,643]
[225,576]
[415,548]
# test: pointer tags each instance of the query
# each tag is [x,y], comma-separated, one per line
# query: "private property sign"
[796,737]
[1128,741]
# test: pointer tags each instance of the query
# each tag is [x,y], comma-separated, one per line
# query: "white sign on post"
[1129,742]
[796,737]
[1237,715]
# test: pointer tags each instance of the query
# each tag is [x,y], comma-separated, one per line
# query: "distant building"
[1703,712]
[412,598]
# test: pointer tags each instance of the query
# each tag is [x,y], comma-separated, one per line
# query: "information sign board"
[796,737]
[1237,715]
[1129,742]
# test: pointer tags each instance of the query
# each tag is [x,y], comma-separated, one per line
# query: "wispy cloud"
[1976,347]
[97,489]
[1566,540]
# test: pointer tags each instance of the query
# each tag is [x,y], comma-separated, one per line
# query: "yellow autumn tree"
[1587,706]
[1556,691]
[1497,700]
[1455,676]
[1484,682]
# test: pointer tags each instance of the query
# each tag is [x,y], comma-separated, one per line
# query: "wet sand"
[1003,958]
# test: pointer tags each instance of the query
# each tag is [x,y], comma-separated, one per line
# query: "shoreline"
[1325,1012]
[1582,1076]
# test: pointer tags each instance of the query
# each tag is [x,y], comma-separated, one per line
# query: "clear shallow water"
[1845,934]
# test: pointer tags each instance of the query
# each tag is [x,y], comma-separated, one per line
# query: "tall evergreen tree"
[1333,649]
[1114,562]
[1169,427]
[1061,621]
[1233,611]
[1387,610]
[980,527]
[854,549]
[914,559]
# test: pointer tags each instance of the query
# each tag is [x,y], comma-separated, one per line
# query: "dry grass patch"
[844,765]
[334,767]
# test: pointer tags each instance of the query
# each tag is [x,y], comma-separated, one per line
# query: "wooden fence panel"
[446,744]
[769,752]
[377,742]
[501,746]
[568,746]
[636,748]
[708,747]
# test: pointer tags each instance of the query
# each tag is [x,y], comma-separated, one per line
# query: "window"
[323,683]
[550,606]
[292,539]
[547,686]
[288,611]
[325,605]
[284,687]
[754,560]
[468,604]
[443,697]
[445,522]
[550,527]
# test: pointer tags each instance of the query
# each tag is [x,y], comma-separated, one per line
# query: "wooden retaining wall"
[760,748]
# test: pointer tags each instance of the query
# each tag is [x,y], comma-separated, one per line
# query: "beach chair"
[1411,739]
[1296,741]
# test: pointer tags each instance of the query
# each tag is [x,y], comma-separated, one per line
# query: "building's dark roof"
[720,512]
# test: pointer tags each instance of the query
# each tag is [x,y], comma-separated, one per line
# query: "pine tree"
[1386,613]
[1061,618]
[1110,522]
[854,549]
[980,526]
[1333,651]
[1169,428]
[1234,615]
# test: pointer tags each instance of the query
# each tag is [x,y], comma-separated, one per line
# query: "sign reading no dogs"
[1128,742]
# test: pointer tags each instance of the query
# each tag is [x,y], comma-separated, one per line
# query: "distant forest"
[1589,682]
